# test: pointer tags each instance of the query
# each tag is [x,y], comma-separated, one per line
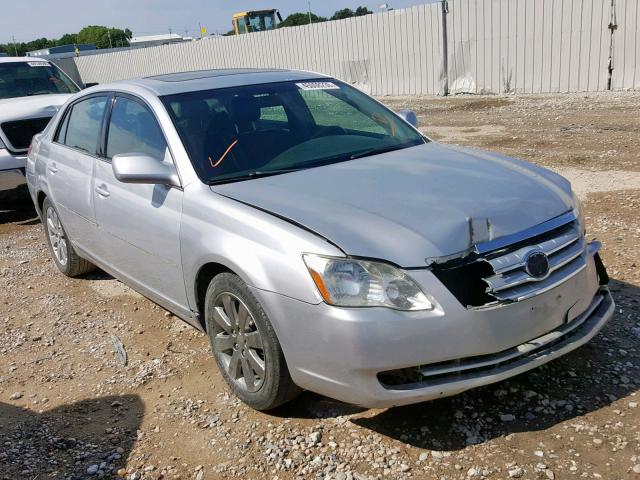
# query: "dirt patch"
[482,103]
[588,131]
[110,287]
[585,182]
[463,134]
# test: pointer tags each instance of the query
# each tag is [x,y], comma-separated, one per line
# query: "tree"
[348,13]
[299,18]
[360,11]
[344,13]
[103,37]
[68,39]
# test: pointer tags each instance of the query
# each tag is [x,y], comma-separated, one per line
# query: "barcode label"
[318,86]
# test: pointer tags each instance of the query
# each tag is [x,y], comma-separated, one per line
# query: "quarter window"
[133,129]
[81,128]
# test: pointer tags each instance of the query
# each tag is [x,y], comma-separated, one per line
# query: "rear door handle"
[53,168]
[102,190]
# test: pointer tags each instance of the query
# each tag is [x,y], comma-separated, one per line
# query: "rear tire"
[245,345]
[64,255]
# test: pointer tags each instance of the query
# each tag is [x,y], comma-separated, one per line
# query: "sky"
[30,19]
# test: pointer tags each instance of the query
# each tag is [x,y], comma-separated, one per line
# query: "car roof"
[183,82]
[22,59]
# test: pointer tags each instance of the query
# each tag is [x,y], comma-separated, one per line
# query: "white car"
[31,92]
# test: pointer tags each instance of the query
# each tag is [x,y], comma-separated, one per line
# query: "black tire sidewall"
[276,373]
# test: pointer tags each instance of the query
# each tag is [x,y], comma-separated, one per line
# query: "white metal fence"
[497,46]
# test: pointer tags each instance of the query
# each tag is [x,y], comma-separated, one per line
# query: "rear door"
[139,224]
[70,165]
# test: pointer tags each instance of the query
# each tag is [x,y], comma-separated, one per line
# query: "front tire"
[245,345]
[64,255]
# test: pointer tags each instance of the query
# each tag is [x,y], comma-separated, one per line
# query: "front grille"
[470,367]
[20,132]
[501,276]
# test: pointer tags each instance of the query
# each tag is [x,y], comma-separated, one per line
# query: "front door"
[139,224]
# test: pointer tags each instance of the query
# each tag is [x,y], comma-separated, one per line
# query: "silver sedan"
[319,239]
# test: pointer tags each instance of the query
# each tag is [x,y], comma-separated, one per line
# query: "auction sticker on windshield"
[318,86]
[38,64]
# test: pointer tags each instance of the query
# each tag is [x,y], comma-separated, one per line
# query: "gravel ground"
[70,409]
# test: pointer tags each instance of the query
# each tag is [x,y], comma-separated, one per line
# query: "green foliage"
[104,37]
[348,13]
[344,13]
[360,11]
[299,18]
[92,34]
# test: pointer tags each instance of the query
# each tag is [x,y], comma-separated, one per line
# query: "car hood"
[413,205]
[31,107]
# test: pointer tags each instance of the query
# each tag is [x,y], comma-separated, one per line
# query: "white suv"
[31,92]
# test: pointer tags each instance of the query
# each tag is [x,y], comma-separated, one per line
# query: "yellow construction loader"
[255,21]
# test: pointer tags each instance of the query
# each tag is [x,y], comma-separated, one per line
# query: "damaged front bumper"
[377,357]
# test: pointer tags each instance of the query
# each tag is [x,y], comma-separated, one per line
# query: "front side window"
[81,127]
[249,131]
[133,129]
[241,25]
[25,79]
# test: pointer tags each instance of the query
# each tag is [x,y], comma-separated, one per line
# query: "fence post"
[613,26]
[445,49]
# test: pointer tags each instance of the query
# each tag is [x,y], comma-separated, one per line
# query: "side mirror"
[409,116]
[90,84]
[141,168]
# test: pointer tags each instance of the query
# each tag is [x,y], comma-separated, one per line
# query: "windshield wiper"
[255,174]
[376,151]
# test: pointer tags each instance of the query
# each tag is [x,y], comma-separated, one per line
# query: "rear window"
[25,79]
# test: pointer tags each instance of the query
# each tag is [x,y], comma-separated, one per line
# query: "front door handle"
[102,190]
[53,168]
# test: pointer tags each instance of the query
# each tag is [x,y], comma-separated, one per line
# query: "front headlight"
[346,282]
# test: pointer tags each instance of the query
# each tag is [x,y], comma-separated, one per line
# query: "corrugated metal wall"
[626,51]
[497,46]
[528,46]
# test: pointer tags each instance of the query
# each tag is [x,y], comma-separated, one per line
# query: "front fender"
[264,250]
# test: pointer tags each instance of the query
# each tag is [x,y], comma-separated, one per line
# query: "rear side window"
[133,129]
[81,128]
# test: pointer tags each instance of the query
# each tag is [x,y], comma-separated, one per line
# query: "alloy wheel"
[238,343]
[57,237]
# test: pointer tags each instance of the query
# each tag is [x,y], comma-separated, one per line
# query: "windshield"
[23,79]
[257,130]
[260,22]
